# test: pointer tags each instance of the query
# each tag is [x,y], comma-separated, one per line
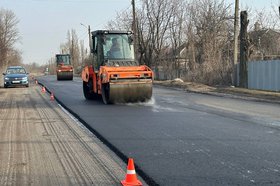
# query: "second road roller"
[64,69]
[114,74]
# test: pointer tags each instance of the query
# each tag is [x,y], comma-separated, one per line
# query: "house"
[265,43]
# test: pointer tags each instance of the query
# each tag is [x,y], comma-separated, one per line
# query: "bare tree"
[84,57]
[264,34]
[265,18]
[72,47]
[9,34]
[177,38]
[51,65]
[210,19]
[191,39]
[73,43]
[159,13]
[14,57]
[144,48]
[82,51]
[122,21]
[36,68]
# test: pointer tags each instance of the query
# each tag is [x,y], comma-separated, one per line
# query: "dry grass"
[188,86]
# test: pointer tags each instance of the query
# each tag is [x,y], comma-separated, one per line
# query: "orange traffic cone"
[131,178]
[43,89]
[52,97]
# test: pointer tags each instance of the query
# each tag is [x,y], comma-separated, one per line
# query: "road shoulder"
[231,92]
[42,145]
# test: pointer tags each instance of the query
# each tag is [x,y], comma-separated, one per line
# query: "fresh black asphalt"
[181,138]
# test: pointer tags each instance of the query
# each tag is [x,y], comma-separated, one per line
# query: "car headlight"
[24,78]
[6,78]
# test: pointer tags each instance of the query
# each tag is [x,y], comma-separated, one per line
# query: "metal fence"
[264,75]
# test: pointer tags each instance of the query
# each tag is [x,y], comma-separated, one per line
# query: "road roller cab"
[64,69]
[115,75]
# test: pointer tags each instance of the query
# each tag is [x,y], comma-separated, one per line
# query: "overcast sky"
[44,23]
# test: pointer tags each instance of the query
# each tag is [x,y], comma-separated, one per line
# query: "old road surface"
[40,144]
[182,138]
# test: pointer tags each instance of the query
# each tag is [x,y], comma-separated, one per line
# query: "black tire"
[88,94]
[106,93]
[5,86]
[27,85]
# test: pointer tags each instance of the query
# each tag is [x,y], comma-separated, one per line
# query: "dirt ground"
[41,145]
[2,70]
[233,92]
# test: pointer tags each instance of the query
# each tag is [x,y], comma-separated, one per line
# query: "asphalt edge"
[121,155]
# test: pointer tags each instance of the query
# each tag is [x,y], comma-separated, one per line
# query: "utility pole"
[235,52]
[134,29]
[90,43]
[89,39]
[134,16]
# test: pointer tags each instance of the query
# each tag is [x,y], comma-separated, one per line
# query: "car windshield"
[117,46]
[16,71]
[63,59]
